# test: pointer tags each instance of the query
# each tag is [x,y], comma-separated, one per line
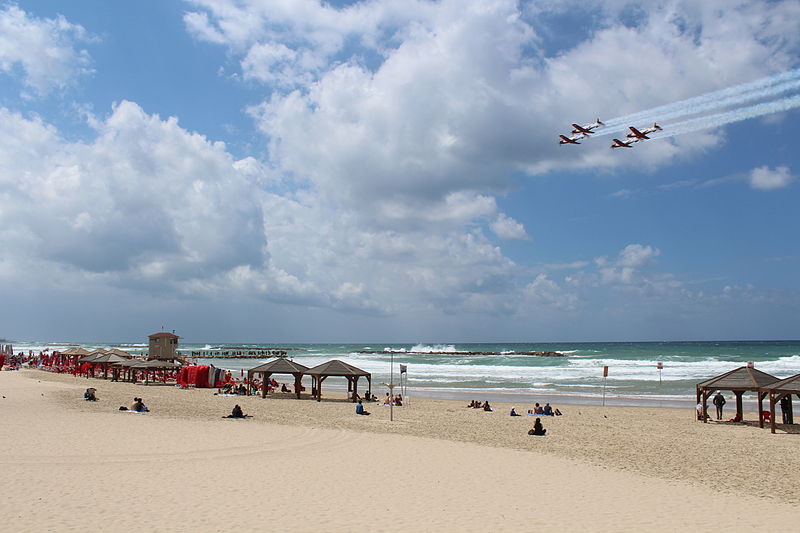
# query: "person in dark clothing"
[537,428]
[237,412]
[785,406]
[719,401]
[547,410]
[89,395]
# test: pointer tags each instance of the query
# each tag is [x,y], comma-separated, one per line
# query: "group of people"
[719,402]
[388,400]
[547,410]
[476,404]
[136,406]
[233,388]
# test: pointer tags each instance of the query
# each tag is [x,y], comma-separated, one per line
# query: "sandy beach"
[308,466]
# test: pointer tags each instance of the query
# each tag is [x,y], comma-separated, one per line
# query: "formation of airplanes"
[636,135]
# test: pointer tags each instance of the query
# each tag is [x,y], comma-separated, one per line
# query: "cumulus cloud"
[42,51]
[506,227]
[767,179]
[386,103]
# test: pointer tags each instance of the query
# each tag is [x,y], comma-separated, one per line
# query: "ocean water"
[632,374]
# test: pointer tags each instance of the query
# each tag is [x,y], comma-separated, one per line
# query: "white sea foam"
[440,348]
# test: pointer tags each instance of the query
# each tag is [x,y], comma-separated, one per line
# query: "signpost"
[605,376]
[660,367]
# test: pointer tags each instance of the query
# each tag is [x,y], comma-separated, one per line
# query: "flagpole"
[391,389]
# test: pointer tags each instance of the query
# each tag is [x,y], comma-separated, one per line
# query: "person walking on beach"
[719,401]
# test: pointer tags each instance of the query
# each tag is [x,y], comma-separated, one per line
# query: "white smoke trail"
[729,117]
[729,94]
[711,106]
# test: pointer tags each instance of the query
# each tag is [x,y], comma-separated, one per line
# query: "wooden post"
[355,388]
[760,410]
[298,384]
[739,407]
[772,412]
[263,384]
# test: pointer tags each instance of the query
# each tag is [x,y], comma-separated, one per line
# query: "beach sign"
[605,371]
[750,364]
[660,365]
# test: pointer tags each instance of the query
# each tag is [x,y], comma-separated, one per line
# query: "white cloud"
[506,227]
[43,49]
[767,179]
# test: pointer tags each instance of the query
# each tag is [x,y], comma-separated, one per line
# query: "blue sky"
[256,170]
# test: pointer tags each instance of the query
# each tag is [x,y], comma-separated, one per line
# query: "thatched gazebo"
[151,366]
[779,390]
[278,366]
[341,369]
[738,381]
[107,359]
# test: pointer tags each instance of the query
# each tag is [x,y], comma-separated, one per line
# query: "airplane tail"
[600,122]
[656,126]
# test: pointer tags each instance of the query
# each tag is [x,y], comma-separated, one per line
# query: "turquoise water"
[632,366]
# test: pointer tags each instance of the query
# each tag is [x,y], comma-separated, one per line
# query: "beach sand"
[308,466]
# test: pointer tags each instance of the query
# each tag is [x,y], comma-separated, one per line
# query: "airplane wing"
[580,129]
[638,134]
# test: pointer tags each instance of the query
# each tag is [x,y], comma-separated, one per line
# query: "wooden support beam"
[772,411]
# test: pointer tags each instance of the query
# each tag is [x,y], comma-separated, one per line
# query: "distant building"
[163,345]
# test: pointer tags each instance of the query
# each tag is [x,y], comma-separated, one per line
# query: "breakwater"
[243,352]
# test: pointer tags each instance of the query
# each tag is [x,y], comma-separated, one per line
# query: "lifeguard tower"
[163,346]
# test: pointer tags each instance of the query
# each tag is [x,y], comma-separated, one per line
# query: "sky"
[389,170]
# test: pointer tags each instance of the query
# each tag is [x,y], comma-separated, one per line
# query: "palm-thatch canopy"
[279,366]
[738,381]
[107,359]
[121,353]
[80,352]
[337,368]
[782,391]
[91,356]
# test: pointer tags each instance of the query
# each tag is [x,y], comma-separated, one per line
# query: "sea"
[502,371]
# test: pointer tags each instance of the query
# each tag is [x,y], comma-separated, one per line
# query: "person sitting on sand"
[537,409]
[139,406]
[283,388]
[387,400]
[89,395]
[398,400]
[537,428]
[514,412]
[237,412]
[486,406]
[547,410]
[360,409]
[557,412]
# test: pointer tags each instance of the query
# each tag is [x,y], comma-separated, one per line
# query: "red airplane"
[586,129]
[624,144]
[636,134]
[572,139]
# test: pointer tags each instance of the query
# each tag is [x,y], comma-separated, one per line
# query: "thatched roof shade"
[789,385]
[741,379]
[109,358]
[90,357]
[155,364]
[279,366]
[121,353]
[336,368]
[75,351]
